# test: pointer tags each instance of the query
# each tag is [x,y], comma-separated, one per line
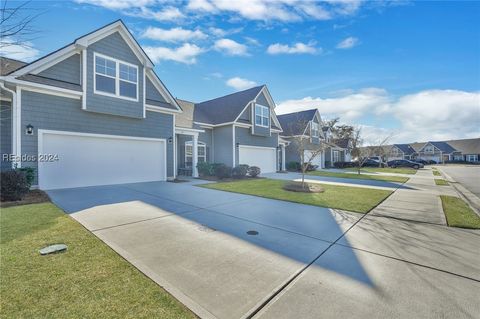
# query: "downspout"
[14,122]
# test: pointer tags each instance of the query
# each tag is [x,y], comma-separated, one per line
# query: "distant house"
[469,148]
[401,151]
[337,150]
[439,152]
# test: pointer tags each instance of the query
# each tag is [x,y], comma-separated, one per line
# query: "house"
[304,125]
[469,148]
[95,113]
[400,151]
[439,152]
[337,149]
[239,128]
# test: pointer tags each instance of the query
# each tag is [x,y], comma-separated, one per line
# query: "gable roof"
[405,148]
[466,146]
[342,142]
[225,109]
[287,121]
[8,65]
[444,147]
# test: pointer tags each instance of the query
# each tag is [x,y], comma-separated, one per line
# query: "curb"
[471,199]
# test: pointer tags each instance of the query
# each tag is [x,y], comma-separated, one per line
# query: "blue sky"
[411,69]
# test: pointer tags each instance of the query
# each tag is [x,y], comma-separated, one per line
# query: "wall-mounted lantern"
[170,140]
[29,129]
[237,145]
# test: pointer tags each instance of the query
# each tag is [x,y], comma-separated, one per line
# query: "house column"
[283,157]
[195,155]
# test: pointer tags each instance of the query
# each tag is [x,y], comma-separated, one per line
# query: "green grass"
[355,199]
[436,173]
[398,170]
[458,213]
[89,280]
[441,182]
[398,179]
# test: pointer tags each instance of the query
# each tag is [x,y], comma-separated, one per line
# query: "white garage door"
[317,160]
[263,157]
[91,159]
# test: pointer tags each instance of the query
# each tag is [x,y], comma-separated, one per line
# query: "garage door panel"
[317,160]
[263,157]
[86,160]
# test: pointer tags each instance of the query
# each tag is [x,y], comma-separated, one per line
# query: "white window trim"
[199,145]
[262,107]
[117,78]
[314,124]
[471,158]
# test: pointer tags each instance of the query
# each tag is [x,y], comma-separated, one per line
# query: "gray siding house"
[95,113]
[302,130]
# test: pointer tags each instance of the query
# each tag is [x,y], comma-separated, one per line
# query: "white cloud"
[240,83]
[24,52]
[187,53]
[118,4]
[422,116]
[173,35]
[297,48]
[230,47]
[166,14]
[201,5]
[348,43]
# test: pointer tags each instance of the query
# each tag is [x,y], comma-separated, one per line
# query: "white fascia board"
[160,109]
[48,60]
[182,130]
[42,88]
[272,105]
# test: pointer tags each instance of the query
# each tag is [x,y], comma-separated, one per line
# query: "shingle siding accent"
[223,144]
[5,132]
[63,114]
[113,46]
[68,70]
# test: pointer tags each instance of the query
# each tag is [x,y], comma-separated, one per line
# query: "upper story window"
[314,129]
[429,149]
[115,78]
[262,115]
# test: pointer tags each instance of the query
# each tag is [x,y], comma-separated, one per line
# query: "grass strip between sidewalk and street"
[89,280]
[354,199]
[441,182]
[398,170]
[458,213]
[385,178]
[436,173]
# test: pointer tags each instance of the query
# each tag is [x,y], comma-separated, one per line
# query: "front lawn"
[458,213]
[441,182]
[89,280]
[398,170]
[355,199]
[398,179]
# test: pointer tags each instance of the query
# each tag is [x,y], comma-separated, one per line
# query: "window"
[429,149]
[336,156]
[115,78]
[472,158]
[314,129]
[262,115]
[201,150]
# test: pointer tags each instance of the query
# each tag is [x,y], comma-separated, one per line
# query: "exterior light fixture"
[29,129]
[237,145]
[170,140]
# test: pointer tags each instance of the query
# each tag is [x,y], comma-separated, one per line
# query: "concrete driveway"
[227,255]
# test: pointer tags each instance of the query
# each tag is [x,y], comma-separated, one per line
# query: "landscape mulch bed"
[32,197]
[309,188]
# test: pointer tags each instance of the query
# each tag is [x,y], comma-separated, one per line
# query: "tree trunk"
[303,176]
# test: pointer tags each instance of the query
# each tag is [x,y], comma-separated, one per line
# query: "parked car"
[370,163]
[404,163]
[421,161]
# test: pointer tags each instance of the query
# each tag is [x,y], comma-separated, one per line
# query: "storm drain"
[252,232]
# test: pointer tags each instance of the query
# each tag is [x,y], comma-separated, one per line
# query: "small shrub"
[222,171]
[328,164]
[14,185]
[310,167]
[254,171]
[240,171]
[205,169]
[293,166]
[29,174]
[342,164]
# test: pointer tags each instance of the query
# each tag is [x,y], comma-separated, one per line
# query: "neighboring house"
[307,125]
[95,113]
[437,151]
[239,128]
[401,151]
[337,150]
[469,148]
[346,145]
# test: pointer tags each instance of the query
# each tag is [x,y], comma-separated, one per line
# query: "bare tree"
[363,152]
[302,143]
[16,24]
